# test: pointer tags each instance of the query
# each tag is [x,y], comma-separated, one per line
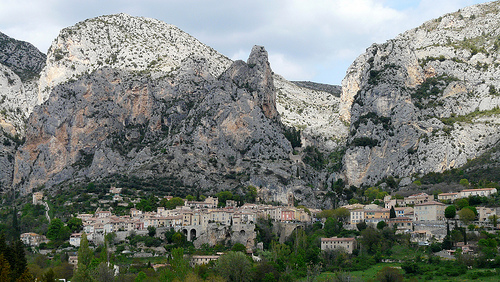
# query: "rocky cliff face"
[426,101]
[122,95]
[142,44]
[186,129]
[20,64]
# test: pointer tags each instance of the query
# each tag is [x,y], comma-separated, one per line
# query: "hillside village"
[206,222]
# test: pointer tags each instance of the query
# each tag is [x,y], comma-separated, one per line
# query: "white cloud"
[304,38]
[288,69]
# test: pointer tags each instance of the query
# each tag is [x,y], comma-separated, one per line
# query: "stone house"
[334,243]
[429,211]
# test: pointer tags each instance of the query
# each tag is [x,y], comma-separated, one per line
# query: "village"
[205,222]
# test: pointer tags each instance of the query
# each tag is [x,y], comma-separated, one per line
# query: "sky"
[314,40]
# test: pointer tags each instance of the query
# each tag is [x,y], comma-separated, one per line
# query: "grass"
[371,273]
[469,118]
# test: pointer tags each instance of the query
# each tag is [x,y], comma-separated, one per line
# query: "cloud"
[288,69]
[303,38]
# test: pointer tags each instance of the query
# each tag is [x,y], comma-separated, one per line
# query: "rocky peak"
[425,101]
[21,57]
[125,42]
[256,76]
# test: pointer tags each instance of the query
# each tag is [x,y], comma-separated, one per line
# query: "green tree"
[381,225]
[57,231]
[493,219]
[461,203]
[75,224]
[173,203]
[179,264]
[4,269]
[251,194]
[450,212]
[104,273]
[49,276]
[238,247]
[392,212]
[389,274]
[190,198]
[234,266]
[20,263]
[332,227]
[84,252]
[370,239]
[361,226]
[464,182]
[466,216]
[151,231]
[223,196]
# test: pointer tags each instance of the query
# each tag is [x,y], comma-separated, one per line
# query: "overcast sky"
[312,40]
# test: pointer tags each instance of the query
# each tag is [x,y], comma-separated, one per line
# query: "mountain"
[126,97]
[426,101]
[20,64]
[137,102]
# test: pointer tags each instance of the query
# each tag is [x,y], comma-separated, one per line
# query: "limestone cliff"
[130,96]
[426,101]
[187,129]
[20,64]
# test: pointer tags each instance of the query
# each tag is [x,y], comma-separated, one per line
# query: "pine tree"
[4,269]
[392,213]
[15,225]
[20,264]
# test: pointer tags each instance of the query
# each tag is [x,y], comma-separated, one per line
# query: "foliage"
[392,212]
[58,231]
[314,157]
[172,203]
[223,196]
[151,231]
[450,212]
[74,224]
[293,135]
[389,274]
[364,142]
[234,266]
[466,215]
[373,193]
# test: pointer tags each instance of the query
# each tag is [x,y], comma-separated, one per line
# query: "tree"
[361,226]
[251,194]
[381,225]
[238,247]
[75,224]
[389,274]
[57,231]
[49,276]
[473,209]
[4,269]
[190,198]
[392,212]
[466,215]
[179,264]
[370,239]
[234,266]
[151,231]
[450,212]
[84,252]
[104,274]
[461,203]
[332,227]
[173,203]
[493,219]
[223,196]
[464,182]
